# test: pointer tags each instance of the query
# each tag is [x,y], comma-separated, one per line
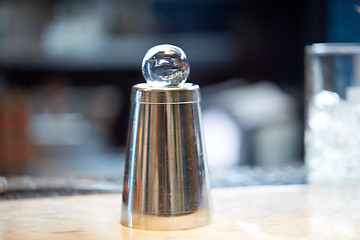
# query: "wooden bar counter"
[269,213]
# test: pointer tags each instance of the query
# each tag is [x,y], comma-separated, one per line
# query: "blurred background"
[67,67]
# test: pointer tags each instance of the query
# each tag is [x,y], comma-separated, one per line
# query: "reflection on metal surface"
[165,184]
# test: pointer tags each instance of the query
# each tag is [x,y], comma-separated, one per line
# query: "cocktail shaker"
[166,183]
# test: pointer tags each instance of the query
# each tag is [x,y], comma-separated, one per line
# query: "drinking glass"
[332,135]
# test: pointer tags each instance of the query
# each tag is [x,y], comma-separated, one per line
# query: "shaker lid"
[165,69]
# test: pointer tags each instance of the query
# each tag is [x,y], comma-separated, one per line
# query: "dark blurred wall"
[250,39]
[343,21]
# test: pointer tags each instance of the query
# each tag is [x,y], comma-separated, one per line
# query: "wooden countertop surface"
[269,213]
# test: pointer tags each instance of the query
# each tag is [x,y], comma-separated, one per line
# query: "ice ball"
[165,65]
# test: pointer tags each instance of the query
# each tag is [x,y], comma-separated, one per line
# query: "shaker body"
[165,183]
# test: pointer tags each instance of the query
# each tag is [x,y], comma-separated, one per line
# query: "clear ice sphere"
[165,65]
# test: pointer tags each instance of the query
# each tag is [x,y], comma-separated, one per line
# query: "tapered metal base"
[165,184]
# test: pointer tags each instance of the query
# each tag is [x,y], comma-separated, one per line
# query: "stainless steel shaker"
[166,183]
